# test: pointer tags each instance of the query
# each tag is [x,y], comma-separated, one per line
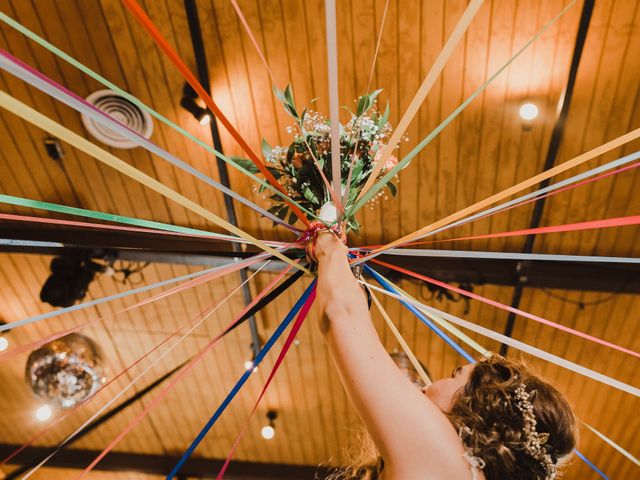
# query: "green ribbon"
[110,217]
[69,59]
[405,161]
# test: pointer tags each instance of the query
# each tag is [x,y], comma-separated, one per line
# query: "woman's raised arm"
[410,431]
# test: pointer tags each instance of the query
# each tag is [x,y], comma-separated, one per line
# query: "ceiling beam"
[176,249]
[552,153]
[194,468]
[202,66]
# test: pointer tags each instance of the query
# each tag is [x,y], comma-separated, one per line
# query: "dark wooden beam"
[552,153]
[202,66]
[176,249]
[96,238]
[194,468]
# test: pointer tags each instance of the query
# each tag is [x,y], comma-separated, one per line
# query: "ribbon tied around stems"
[309,236]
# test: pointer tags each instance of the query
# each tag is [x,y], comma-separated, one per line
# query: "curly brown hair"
[491,426]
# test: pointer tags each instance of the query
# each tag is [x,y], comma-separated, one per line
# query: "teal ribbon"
[72,61]
[109,217]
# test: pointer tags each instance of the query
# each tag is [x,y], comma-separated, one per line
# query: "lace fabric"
[476,464]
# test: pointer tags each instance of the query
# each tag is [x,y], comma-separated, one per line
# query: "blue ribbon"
[588,462]
[225,403]
[387,286]
[73,308]
[416,312]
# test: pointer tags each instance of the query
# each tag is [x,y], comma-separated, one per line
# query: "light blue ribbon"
[57,91]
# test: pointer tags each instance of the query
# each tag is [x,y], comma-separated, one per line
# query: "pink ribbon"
[509,309]
[177,378]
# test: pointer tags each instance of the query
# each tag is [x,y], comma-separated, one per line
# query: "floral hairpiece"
[534,443]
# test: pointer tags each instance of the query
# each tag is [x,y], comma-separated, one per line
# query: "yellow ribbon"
[396,333]
[585,157]
[423,91]
[45,123]
[612,444]
[444,324]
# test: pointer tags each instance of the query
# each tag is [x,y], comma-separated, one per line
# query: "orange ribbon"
[143,19]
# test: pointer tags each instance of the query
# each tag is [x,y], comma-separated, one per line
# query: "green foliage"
[392,188]
[287,100]
[298,167]
[266,149]
[245,163]
[385,117]
[366,102]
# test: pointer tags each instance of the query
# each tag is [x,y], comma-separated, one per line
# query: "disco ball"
[65,371]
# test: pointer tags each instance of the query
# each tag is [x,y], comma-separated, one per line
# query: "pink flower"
[391,162]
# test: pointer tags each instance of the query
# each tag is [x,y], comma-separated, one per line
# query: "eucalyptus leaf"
[246,164]
[266,149]
[361,106]
[309,195]
[385,116]
[372,97]
[288,93]
[276,172]
[279,94]
[392,188]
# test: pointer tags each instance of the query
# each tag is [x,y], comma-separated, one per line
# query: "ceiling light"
[269,431]
[43,413]
[248,365]
[4,344]
[188,102]
[528,111]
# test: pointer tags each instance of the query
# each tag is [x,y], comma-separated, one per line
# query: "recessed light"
[43,413]
[528,111]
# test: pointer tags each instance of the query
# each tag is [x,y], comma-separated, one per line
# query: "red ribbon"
[285,348]
[176,379]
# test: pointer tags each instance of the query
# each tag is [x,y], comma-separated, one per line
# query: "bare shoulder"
[437,455]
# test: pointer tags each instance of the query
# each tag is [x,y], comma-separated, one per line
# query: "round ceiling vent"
[122,110]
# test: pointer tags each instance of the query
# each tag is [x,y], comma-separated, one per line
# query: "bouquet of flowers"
[304,167]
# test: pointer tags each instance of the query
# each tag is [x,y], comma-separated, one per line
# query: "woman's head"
[484,403]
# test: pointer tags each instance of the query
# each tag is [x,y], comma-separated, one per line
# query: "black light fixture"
[188,102]
[269,431]
[54,148]
[69,280]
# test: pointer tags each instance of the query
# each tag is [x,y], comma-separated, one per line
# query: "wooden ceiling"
[485,150]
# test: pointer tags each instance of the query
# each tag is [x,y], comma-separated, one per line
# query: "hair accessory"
[535,442]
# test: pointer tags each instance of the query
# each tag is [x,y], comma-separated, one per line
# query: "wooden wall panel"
[483,151]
